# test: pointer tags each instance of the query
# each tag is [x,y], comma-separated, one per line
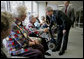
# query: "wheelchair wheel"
[51,45]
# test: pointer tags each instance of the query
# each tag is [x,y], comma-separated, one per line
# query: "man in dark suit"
[69,11]
[63,24]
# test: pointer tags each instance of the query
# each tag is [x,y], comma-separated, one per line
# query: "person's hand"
[41,23]
[64,31]
[32,40]
[36,42]
[46,30]
[31,43]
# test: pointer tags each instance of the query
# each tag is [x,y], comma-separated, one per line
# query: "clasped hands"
[33,42]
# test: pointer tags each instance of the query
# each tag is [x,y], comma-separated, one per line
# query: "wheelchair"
[51,42]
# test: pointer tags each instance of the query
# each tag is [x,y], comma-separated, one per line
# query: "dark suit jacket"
[70,12]
[60,19]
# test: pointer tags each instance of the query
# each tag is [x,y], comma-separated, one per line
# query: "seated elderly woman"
[36,33]
[44,24]
[37,23]
[6,20]
[18,43]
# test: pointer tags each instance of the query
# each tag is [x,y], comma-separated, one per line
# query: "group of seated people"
[19,41]
[18,37]
[42,25]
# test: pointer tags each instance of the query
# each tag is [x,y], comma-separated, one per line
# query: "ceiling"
[80,3]
[76,4]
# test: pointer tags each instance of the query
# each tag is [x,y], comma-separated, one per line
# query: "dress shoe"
[55,50]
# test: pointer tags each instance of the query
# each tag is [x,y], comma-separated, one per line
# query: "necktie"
[53,19]
[66,10]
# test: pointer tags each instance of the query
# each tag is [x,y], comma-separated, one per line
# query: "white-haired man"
[63,26]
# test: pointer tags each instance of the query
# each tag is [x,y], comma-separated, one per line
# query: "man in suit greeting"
[63,24]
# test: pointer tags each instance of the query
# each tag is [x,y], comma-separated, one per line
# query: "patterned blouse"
[30,27]
[17,41]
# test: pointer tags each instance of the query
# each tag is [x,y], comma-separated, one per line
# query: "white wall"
[42,7]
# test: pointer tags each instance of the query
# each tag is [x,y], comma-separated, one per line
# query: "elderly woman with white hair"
[36,33]
[19,43]
[37,23]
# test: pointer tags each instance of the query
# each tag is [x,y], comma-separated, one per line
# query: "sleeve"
[50,30]
[15,42]
[47,19]
[19,38]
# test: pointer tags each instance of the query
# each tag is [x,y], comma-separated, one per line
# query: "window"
[34,7]
[11,7]
[14,4]
[28,6]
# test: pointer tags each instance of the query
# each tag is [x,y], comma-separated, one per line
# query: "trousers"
[34,52]
[64,37]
